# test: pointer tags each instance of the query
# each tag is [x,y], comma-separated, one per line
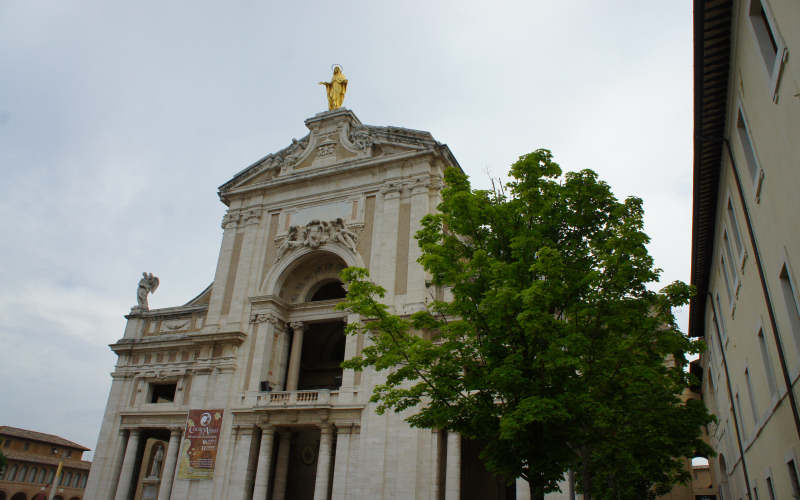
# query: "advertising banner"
[198,453]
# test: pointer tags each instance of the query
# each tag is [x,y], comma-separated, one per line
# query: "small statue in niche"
[155,469]
[147,285]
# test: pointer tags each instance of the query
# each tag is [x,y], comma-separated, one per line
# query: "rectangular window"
[732,268]
[767,360]
[793,479]
[162,393]
[752,395]
[741,416]
[769,42]
[770,489]
[753,168]
[790,298]
[724,270]
[737,237]
[722,332]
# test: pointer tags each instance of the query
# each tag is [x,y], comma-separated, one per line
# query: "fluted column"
[452,485]
[282,465]
[116,465]
[294,357]
[168,474]
[323,463]
[128,464]
[261,486]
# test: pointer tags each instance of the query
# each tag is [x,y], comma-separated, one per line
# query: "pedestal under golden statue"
[336,88]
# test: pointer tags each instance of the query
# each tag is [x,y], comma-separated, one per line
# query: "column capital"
[326,429]
[134,432]
[297,325]
[175,430]
[267,428]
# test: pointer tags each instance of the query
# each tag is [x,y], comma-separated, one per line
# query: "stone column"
[241,463]
[348,375]
[436,437]
[523,489]
[267,326]
[294,357]
[116,465]
[452,476]
[128,464]
[168,474]
[323,462]
[341,472]
[282,465]
[261,486]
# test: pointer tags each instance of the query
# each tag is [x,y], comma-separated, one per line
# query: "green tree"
[550,348]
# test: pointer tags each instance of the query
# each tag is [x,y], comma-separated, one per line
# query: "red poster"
[199,446]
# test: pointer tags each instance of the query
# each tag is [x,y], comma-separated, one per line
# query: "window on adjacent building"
[753,169]
[770,489]
[720,323]
[162,393]
[42,476]
[769,42]
[21,473]
[767,360]
[793,478]
[724,269]
[732,267]
[737,237]
[7,443]
[50,474]
[740,415]
[752,396]
[790,298]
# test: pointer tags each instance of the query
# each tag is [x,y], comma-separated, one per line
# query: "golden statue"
[336,88]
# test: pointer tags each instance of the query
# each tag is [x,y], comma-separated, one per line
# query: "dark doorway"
[476,482]
[322,355]
[302,464]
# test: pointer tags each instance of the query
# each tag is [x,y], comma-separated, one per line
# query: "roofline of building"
[712,46]
[42,437]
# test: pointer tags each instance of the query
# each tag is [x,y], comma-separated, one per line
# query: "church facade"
[239,393]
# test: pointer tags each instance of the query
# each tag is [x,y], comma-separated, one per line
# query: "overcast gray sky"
[118,121]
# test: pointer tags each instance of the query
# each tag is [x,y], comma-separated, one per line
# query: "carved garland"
[317,233]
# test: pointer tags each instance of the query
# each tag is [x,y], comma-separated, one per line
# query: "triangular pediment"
[336,137]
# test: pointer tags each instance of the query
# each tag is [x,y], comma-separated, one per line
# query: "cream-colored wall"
[769,438]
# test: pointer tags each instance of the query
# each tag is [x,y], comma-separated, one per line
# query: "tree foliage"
[549,347]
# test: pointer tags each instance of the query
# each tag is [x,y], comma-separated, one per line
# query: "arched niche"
[309,274]
[295,274]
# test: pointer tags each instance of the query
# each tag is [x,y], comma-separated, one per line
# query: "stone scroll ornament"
[147,285]
[315,234]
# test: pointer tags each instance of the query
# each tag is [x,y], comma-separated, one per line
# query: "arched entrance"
[19,496]
[311,285]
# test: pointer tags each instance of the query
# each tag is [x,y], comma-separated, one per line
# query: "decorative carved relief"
[360,138]
[242,216]
[326,149]
[275,321]
[315,234]
[175,324]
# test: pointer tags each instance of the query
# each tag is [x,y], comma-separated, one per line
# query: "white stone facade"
[263,341]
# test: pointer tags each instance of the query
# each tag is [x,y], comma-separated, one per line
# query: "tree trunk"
[586,474]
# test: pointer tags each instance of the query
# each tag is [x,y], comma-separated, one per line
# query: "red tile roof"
[39,436]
